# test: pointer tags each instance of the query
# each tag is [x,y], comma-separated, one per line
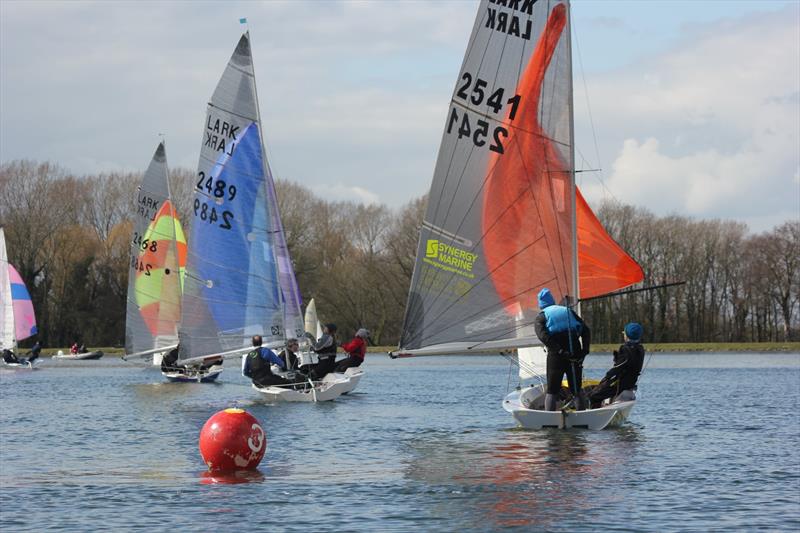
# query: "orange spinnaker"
[603,265]
[527,207]
[527,212]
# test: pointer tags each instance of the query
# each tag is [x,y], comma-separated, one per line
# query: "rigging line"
[499,307]
[589,112]
[631,291]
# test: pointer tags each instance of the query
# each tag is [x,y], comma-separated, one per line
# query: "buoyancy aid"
[559,319]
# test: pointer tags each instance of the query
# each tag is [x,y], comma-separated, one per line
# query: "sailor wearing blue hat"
[619,382]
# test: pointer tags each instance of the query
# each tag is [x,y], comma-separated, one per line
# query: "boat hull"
[330,388]
[603,417]
[80,356]
[22,366]
[193,376]
[353,375]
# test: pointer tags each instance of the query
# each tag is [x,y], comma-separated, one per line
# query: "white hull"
[80,356]
[331,387]
[22,366]
[353,376]
[606,416]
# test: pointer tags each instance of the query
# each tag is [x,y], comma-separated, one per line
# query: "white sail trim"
[146,353]
[462,347]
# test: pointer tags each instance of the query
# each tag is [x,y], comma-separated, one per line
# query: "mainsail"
[158,257]
[17,319]
[502,221]
[234,270]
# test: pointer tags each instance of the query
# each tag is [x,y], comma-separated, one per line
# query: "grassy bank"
[596,348]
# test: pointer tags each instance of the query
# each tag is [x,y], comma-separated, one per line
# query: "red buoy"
[232,440]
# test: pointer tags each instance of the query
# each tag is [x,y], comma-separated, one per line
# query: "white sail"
[7,339]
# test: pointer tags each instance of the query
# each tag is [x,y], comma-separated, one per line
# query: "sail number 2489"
[216,188]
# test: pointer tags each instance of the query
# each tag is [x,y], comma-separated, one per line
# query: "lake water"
[713,444]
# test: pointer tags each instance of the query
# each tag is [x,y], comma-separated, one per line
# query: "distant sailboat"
[239,277]
[155,275]
[17,318]
[504,216]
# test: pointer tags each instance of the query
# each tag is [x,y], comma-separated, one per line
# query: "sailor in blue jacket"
[256,365]
[567,339]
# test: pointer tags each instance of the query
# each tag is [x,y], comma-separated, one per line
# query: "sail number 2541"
[476,94]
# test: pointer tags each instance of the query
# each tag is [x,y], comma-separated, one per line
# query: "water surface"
[423,444]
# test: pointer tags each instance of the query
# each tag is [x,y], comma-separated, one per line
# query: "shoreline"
[679,347]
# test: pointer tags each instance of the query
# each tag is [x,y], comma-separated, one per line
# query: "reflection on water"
[231,478]
[525,477]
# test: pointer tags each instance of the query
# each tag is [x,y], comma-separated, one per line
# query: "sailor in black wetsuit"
[567,339]
[325,348]
[256,365]
[619,382]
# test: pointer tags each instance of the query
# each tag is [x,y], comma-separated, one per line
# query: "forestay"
[232,288]
[158,255]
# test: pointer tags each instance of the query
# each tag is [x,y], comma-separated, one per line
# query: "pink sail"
[24,318]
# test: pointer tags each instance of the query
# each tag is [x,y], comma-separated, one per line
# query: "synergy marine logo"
[450,258]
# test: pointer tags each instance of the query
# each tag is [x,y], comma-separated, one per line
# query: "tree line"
[69,239]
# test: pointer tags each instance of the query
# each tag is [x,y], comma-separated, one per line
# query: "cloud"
[341,192]
[712,128]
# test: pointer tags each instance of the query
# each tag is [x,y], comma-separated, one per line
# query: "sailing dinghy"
[504,217]
[158,257]
[17,319]
[239,277]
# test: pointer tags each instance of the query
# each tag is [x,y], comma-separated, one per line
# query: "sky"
[686,107]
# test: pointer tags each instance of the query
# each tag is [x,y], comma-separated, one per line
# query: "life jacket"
[257,366]
[328,350]
[559,319]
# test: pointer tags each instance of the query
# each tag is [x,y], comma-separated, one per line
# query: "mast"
[573,185]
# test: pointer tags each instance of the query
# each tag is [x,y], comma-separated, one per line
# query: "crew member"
[567,339]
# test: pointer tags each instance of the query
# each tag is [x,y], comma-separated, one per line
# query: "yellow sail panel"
[159,272]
